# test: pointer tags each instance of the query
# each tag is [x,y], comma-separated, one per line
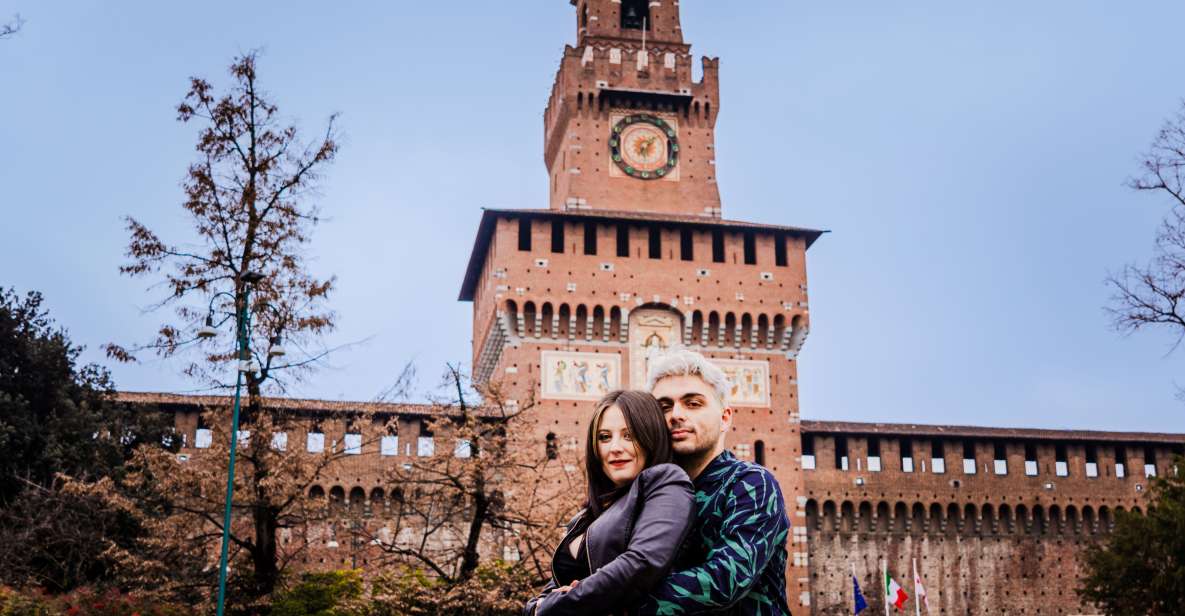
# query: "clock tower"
[627,128]
[633,257]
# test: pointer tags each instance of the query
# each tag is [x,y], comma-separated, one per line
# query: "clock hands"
[644,147]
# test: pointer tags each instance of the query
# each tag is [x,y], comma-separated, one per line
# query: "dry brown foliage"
[248,197]
[248,200]
[494,490]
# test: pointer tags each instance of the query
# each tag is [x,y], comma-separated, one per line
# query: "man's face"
[696,418]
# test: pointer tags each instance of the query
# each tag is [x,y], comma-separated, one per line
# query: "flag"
[861,604]
[918,589]
[894,593]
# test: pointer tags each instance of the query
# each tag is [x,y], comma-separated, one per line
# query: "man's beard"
[699,449]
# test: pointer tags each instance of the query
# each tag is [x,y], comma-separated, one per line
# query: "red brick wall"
[984,543]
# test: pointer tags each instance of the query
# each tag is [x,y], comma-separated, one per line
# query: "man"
[734,559]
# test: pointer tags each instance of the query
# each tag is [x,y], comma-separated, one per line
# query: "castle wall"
[995,518]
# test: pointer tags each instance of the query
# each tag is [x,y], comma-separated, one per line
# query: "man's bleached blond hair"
[688,363]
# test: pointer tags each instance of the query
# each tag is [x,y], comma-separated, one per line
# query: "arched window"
[598,330]
[553,450]
[635,14]
[512,314]
[530,322]
[584,16]
[847,517]
[759,452]
[357,502]
[812,515]
[864,515]
[546,315]
[377,501]
[614,323]
[582,322]
[337,499]
[565,318]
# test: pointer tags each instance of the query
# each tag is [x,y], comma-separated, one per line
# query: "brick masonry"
[997,531]
[569,301]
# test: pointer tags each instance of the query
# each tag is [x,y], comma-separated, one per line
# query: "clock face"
[644,146]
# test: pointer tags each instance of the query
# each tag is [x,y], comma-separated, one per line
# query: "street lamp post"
[243,353]
[242,326]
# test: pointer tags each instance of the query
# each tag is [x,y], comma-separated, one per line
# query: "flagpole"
[885,584]
[917,599]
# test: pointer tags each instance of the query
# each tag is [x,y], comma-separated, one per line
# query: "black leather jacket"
[631,546]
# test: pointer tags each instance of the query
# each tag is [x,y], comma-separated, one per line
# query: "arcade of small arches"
[692,110]
[357,502]
[869,518]
[713,329]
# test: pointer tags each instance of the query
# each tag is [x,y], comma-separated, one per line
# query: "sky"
[969,160]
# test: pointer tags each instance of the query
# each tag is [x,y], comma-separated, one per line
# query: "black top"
[630,546]
[568,569]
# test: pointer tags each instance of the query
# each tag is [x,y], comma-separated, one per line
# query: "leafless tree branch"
[1152,295]
[12,28]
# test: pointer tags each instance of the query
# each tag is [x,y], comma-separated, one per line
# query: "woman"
[639,510]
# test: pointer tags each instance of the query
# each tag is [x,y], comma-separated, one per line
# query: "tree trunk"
[267,574]
[265,556]
[481,508]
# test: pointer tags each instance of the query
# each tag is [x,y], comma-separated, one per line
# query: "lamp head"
[207,331]
[277,347]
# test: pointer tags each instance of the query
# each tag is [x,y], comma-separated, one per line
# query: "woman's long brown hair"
[648,427]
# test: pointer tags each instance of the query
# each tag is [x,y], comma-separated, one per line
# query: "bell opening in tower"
[635,15]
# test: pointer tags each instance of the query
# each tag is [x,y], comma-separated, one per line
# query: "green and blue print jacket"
[734,560]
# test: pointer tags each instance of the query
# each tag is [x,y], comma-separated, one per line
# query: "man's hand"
[574,584]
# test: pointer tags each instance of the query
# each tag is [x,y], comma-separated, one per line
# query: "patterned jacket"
[734,560]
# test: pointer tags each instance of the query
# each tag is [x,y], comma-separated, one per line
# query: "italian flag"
[894,593]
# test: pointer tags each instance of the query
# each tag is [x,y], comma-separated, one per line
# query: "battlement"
[593,79]
[656,21]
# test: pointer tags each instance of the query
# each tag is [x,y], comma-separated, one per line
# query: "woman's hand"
[574,584]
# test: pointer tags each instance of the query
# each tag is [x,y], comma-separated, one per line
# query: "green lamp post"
[243,353]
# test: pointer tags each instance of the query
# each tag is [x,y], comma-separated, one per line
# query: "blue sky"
[969,158]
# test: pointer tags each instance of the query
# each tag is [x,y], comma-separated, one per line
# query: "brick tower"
[633,256]
[630,56]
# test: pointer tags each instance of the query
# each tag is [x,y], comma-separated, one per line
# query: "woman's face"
[621,459]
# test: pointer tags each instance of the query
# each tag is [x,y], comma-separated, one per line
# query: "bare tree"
[492,488]
[249,199]
[1152,294]
[12,27]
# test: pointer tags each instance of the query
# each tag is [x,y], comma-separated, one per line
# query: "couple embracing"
[674,524]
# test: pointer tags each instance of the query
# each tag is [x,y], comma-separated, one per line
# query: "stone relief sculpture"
[653,331]
[749,380]
[579,376]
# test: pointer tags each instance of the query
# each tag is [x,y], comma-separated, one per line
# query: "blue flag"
[861,604]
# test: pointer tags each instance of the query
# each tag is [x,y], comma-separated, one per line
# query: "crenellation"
[1011,517]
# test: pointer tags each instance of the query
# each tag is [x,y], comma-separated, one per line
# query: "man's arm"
[754,529]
